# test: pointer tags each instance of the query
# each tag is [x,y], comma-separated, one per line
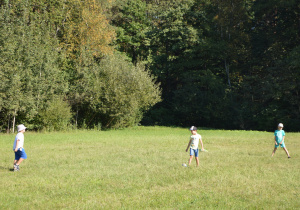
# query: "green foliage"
[271,85]
[245,46]
[127,93]
[230,64]
[46,54]
[120,92]
[188,66]
[131,21]
[56,115]
[30,56]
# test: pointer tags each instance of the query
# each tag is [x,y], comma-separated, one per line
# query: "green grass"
[141,168]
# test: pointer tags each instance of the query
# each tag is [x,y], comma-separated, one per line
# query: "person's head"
[21,128]
[280,126]
[193,130]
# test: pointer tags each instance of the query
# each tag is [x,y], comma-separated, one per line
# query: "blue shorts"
[282,145]
[20,154]
[194,152]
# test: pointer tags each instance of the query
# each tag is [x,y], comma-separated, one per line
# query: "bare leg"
[190,160]
[15,161]
[15,165]
[197,161]
[286,152]
[274,151]
[20,161]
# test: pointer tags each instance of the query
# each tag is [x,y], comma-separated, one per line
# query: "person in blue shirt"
[279,140]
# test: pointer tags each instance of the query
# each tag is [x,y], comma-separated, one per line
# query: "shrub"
[56,116]
[120,92]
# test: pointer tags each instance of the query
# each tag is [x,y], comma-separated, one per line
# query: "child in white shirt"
[193,145]
[18,147]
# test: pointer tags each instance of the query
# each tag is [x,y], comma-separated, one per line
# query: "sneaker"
[289,156]
[16,167]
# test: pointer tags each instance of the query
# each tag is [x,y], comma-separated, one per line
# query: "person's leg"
[190,160]
[274,151]
[19,161]
[17,157]
[197,161]
[191,155]
[15,166]
[196,156]
[287,152]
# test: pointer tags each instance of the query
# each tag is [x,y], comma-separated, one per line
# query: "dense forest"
[115,63]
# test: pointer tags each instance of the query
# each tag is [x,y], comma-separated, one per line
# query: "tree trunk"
[227,72]
[14,121]
[8,122]
[76,117]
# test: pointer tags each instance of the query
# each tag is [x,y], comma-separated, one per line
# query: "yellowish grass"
[141,168]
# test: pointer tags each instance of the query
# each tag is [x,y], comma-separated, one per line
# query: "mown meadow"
[141,167]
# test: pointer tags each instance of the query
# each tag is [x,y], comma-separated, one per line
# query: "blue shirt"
[279,135]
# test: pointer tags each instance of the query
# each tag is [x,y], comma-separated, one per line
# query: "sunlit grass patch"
[142,168]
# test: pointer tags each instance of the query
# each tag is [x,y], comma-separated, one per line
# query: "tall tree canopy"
[58,60]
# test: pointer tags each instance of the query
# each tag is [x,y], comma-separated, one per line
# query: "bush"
[119,92]
[56,116]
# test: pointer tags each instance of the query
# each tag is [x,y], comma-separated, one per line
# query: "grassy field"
[141,167]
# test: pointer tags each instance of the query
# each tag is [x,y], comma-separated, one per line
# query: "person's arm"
[275,140]
[201,144]
[17,144]
[188,145]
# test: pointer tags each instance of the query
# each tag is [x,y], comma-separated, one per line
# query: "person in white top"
[193,145]
[18,147]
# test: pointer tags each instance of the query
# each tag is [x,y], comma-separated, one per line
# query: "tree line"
[221,64]
[116,63]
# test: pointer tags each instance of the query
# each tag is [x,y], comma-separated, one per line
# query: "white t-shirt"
[20,137]
[195,141]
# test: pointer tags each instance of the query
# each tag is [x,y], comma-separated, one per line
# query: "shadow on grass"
[6,168]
